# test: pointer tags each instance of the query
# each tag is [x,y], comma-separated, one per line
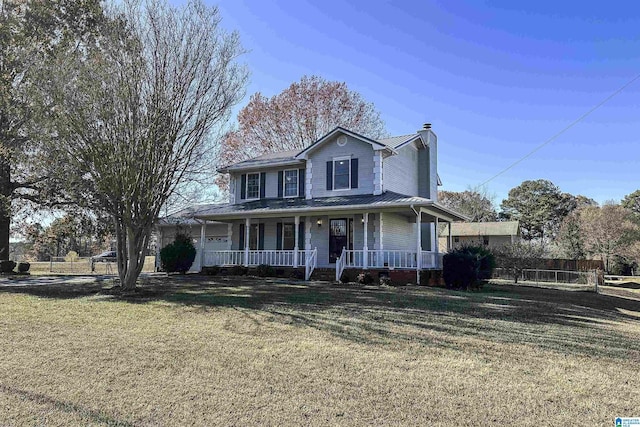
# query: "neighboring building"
[346,201]
[492,234]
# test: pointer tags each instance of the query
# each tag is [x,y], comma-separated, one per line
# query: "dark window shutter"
[280,183]
[260,237]
[279,236]
[241,237]
[301,235]
[354,173]
[243,186]
[330,175]
[301,183]
[263,184]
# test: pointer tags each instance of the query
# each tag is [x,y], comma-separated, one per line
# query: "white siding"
[401,171]
[399,233]
[327,152]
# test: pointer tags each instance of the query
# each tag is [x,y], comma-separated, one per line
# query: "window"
[342,174]
[291,183]
[486,241]
[288,236]
[456,239]
[253,185]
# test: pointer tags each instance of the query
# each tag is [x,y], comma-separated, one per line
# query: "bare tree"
[607,231]
[296,118]
[518,256]
[135,112]
[476,203]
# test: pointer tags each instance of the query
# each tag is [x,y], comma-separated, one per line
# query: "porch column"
[418,245]
[158,248]
[203,229]
[450,241]
[436,240]
[365,247]
[295,245]
[247,225]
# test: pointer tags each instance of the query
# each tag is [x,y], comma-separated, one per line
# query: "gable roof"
[505,228]
[397,141]
[281,158]
[375,144]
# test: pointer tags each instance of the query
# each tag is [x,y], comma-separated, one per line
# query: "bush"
[365,278]
[211,271]
[179,255]
[385,280]
[467,267]
[7,266]
[71,256]
[265,270]
[345,277]
[297,274]
[238,270]
[23,267]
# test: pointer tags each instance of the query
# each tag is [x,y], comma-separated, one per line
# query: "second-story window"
[253,185]
[291,183]
[341,173]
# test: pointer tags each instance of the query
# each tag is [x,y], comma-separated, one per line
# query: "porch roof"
[388,201]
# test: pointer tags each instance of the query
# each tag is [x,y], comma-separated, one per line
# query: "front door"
[340,236]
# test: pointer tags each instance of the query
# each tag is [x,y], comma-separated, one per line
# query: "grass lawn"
[237,351]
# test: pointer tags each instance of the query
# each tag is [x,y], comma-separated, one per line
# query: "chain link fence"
[64,265]
[561,279]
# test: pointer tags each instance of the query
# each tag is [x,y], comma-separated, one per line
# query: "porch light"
[319,222]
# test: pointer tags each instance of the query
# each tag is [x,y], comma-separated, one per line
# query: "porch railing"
[340,264]
[311,260]
[391,259]
[276,258]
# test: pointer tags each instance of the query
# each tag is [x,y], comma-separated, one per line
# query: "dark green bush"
[7,266]
[179,255]
[345,277]
[297,274]
[265,270]
[238,270]
[467,267]
[211,270]
[23,267]
[365,278]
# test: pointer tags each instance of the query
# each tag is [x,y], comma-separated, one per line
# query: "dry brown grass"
[231,351]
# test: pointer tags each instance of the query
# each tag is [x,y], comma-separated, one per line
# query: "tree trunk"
[5,207]
[131,246]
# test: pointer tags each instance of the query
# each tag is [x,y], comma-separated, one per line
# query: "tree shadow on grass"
[564,321]
[86,414]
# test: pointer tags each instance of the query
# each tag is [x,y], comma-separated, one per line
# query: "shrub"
[365,278]
[238,270]
[71,256]
[23,267]
[179,255]
[7,266]
[211,271]
[297,274]
[467,267]
[385,280]
[345,277]
[265,270]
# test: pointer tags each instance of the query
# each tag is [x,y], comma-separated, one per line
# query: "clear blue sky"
[495,78]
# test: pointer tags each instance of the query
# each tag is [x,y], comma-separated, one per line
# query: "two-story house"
[344,202]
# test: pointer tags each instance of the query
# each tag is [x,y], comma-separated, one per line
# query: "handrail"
[340,264]
[311,260]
